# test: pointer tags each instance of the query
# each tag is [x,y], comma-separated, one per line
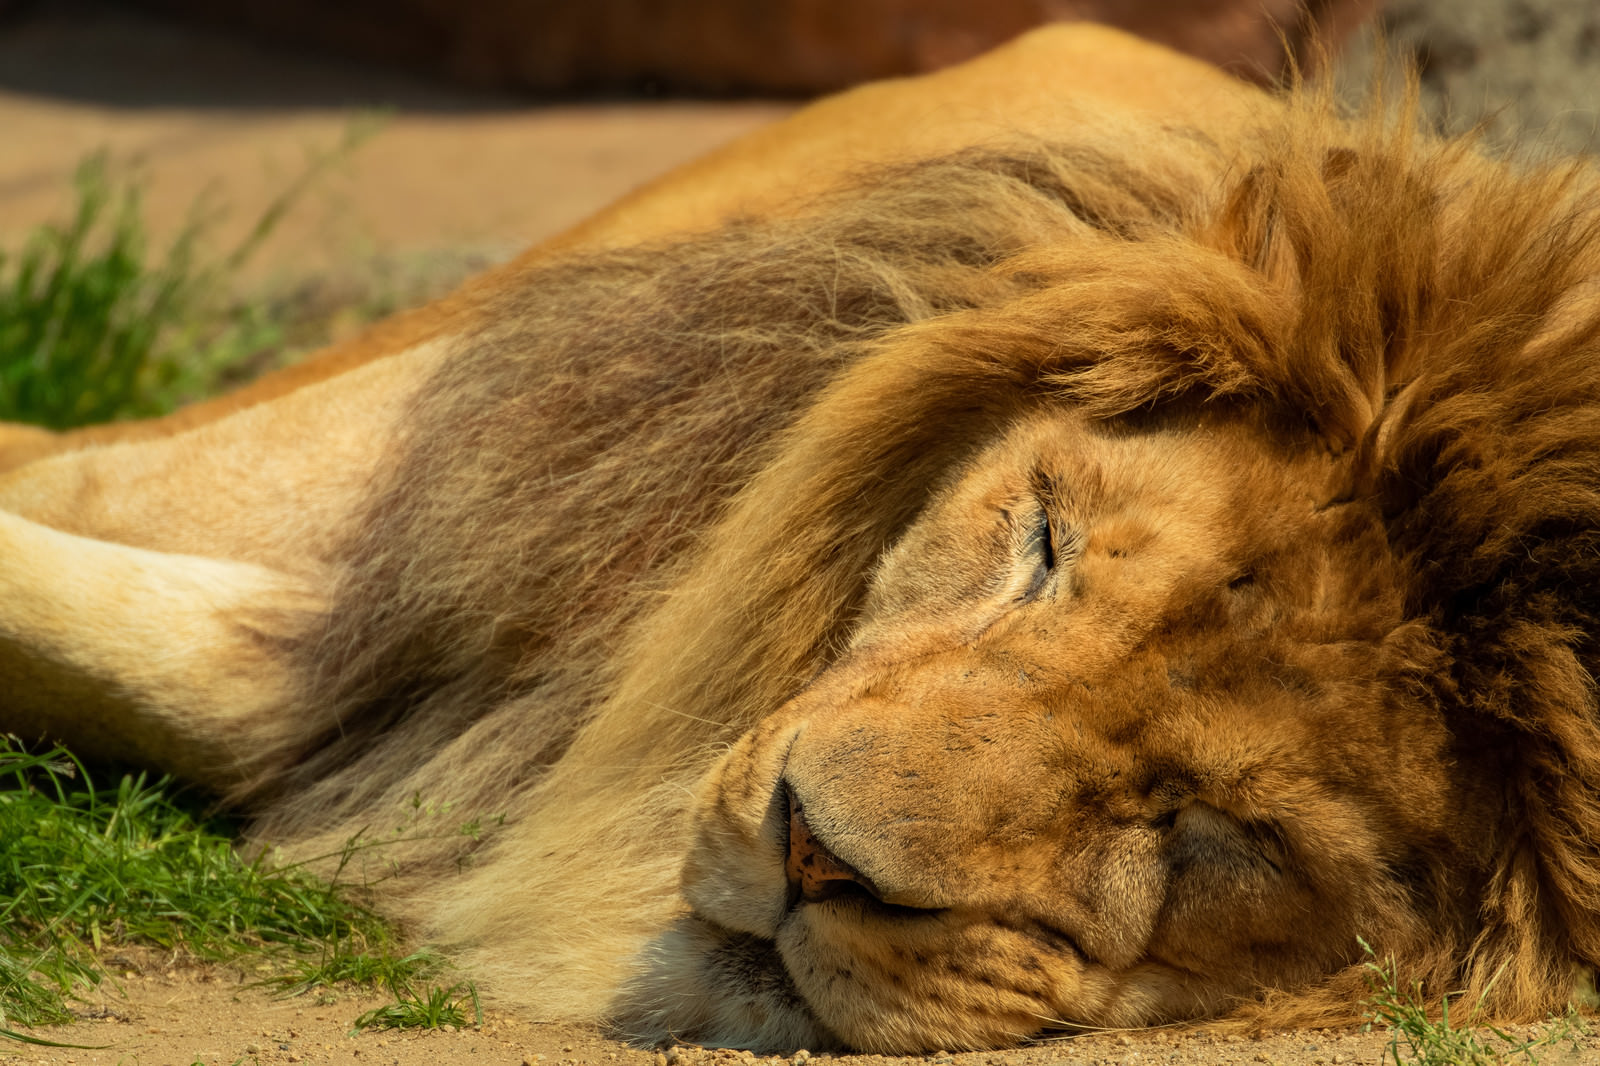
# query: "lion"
[1072,540]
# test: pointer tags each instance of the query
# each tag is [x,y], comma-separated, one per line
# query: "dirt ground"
[203,119]
[191,1014]
[447,175]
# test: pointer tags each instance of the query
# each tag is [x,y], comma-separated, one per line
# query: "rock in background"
[1528,69]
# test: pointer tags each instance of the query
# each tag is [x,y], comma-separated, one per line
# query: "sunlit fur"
[643,510]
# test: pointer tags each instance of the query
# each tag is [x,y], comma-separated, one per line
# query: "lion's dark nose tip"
[815,873]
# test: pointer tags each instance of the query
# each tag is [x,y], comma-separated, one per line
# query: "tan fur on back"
[1145,563]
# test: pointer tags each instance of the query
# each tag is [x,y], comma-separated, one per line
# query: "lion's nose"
[815,873]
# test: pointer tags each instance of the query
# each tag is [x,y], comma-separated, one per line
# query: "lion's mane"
[639,507]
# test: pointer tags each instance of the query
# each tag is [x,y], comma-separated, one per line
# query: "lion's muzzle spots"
[815,873]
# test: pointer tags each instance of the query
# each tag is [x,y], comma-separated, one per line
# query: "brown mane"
[721,435]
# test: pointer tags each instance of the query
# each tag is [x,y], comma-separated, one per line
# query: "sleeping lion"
[1070,540]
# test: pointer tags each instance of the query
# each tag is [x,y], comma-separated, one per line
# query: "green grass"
[84,867]
[424,1006]
[1419,1037]
[94,326]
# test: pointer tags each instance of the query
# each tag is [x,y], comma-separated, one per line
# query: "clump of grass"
[1440,1041]
[424,1005]
[94,327]
[346,962]
[80,313]
[85,867]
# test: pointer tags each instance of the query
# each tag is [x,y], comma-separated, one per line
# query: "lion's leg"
[166,660]
[275,484]
[151,593]
[22,444]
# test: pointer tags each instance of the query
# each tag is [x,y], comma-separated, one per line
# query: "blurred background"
[317,163]
[195,191]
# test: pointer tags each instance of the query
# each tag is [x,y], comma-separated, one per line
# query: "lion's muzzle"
[815,873]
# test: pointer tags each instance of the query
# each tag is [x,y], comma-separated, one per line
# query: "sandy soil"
[451,174]
[206,119]
[183,1015]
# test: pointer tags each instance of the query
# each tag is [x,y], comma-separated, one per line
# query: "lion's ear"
[1350,235]
[1249,228]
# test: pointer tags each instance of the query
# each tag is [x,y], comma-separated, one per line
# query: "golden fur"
[1146,565]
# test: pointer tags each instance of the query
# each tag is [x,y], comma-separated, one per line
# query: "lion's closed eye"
[1049,550]
[1038,551]
[1200,833]
[1049,542]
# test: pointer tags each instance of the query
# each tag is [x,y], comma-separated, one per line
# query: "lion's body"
[1090,578]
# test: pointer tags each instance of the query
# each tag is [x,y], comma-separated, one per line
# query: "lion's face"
[1124,734]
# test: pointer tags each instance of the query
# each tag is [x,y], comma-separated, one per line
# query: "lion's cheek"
[974,985]
[703,983]
[734,870]
[895,992]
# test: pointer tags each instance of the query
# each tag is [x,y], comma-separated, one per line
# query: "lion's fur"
[425,666]
[639,509]
[642,503]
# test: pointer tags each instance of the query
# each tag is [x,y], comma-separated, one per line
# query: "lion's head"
[1261,625]
[1093,584]
[1130,727]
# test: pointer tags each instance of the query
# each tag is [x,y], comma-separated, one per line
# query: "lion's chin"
[897,981]
[703,983]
